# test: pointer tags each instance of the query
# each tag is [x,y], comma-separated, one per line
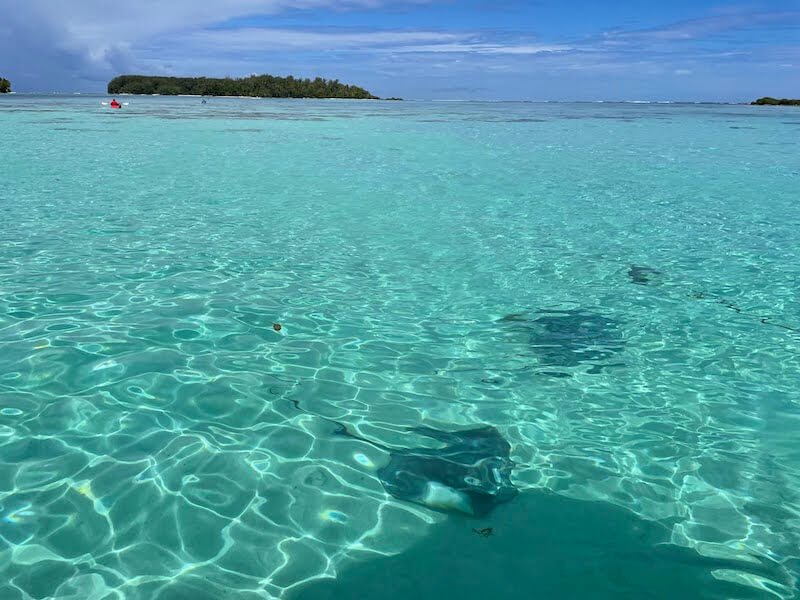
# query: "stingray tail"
[343,430]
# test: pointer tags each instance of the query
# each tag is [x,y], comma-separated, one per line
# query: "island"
[5,86]
[767,101]
[257,86]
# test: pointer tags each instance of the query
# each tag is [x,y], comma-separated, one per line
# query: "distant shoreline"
[255,86]
[768,101]
[128,94]
[741,103]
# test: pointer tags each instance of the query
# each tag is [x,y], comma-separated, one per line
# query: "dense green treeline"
[5,86]
[263,86]
[767,101]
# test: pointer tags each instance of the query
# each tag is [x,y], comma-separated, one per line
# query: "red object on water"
[115,104]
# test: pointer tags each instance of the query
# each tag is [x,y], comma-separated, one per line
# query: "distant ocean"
[390,350]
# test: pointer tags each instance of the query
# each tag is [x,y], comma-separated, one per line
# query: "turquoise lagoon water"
[612,287]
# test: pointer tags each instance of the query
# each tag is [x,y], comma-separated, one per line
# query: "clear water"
[159,439]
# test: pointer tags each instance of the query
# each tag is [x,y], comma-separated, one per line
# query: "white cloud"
[101,21]
[54,40]
[732,20]
[485,48]
[63,42]
[269,39]
[255,39]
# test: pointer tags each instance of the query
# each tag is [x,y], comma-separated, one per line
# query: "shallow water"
[447,265]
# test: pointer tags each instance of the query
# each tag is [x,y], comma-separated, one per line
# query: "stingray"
[570,338]
[468,474]
[641,275]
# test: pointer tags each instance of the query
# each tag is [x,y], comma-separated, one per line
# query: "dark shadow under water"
[541,546]
[470,473]
[563,340]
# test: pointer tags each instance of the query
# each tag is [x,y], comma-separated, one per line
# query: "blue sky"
[431,49]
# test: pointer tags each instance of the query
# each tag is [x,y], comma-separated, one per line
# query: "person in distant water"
[115,104]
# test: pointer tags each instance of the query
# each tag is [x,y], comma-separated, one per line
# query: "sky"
[418,49]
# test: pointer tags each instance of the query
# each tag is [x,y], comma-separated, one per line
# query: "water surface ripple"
[612,287]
